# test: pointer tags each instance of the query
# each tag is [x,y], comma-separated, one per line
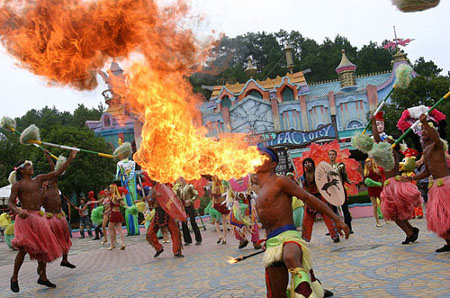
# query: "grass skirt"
[34,235]
[58,224]
[398,199]
[274,254]
[438,208]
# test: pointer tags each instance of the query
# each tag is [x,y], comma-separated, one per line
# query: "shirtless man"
[286,252]
[58,222]
[438,205]
[30,226]
[398,199]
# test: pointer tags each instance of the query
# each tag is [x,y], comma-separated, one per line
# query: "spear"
[31,136]
[10,124]
[232,260]
[418,121]
[403,78]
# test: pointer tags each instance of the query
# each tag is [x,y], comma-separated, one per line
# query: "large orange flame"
[68,41]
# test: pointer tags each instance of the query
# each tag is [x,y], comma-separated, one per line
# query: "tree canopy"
[87,172]
[229,58]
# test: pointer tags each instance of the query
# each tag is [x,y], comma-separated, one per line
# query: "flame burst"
[69,41]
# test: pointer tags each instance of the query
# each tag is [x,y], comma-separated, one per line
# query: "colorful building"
[287,112]
[117,122]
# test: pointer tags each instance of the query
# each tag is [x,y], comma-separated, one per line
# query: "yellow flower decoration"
[49,215]
[397,178]
[59,216]
[63,213]
[430,184]
[440,182]
[386,183]
[41,213]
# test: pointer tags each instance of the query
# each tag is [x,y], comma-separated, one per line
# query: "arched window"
[354,124]
[288,94]
[106,121]
[256,94]
[226,102]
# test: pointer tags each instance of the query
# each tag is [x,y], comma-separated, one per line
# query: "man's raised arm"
[54,174]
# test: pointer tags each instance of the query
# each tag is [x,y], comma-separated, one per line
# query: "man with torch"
[286,252]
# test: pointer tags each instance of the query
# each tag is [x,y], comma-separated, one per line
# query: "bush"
[361,198]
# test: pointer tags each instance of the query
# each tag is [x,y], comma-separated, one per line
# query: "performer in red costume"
[162,219]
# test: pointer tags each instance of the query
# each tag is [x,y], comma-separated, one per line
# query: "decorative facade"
[117,122]
[289,103]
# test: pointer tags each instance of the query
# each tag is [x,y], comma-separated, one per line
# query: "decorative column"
[332,102]
[226,119]
[275,115]
[372,96]
[304,111]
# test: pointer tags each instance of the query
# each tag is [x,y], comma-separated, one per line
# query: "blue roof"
[322,90]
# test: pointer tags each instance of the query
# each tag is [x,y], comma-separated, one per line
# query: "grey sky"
[360,21]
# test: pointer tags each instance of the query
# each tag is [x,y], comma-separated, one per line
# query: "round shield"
[329,184]
[169,202]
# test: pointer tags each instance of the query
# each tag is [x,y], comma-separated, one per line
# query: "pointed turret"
[346,71]
[250,70]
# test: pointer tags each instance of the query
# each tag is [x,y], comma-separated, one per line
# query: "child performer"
[372,172]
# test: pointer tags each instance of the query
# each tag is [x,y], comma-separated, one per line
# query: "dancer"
[161,220]
[31,228]
[339,167]
[438,205]
[285,251]
[85,220]
[218,195]
[374,181]
[309,184]
[398,199]
[243,220]
[188,194]
[116,217]
[104,212]
[57,218]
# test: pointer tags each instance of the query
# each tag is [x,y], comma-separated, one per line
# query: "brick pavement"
[372,263]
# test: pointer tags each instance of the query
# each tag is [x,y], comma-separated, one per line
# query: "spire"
[250,70]
[400,56]
[346,71]
[289,50]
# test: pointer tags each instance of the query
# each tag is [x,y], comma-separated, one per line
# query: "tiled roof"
[321,90]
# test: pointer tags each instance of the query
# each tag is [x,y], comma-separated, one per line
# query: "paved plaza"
[372,263]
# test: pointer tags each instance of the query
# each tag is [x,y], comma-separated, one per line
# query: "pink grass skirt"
[438,208]
[398,200]
[61,230]
[34,235]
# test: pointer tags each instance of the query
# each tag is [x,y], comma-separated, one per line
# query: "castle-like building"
[289,112]
[286,112]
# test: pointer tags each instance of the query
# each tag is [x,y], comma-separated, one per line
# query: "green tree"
[426,68]
[88,171]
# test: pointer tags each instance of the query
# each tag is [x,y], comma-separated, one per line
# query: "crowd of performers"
[241,205]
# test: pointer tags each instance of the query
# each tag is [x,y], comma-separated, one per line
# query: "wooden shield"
[329,184]
[169,202]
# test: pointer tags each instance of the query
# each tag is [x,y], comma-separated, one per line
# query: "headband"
[273,156]
[12,178]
